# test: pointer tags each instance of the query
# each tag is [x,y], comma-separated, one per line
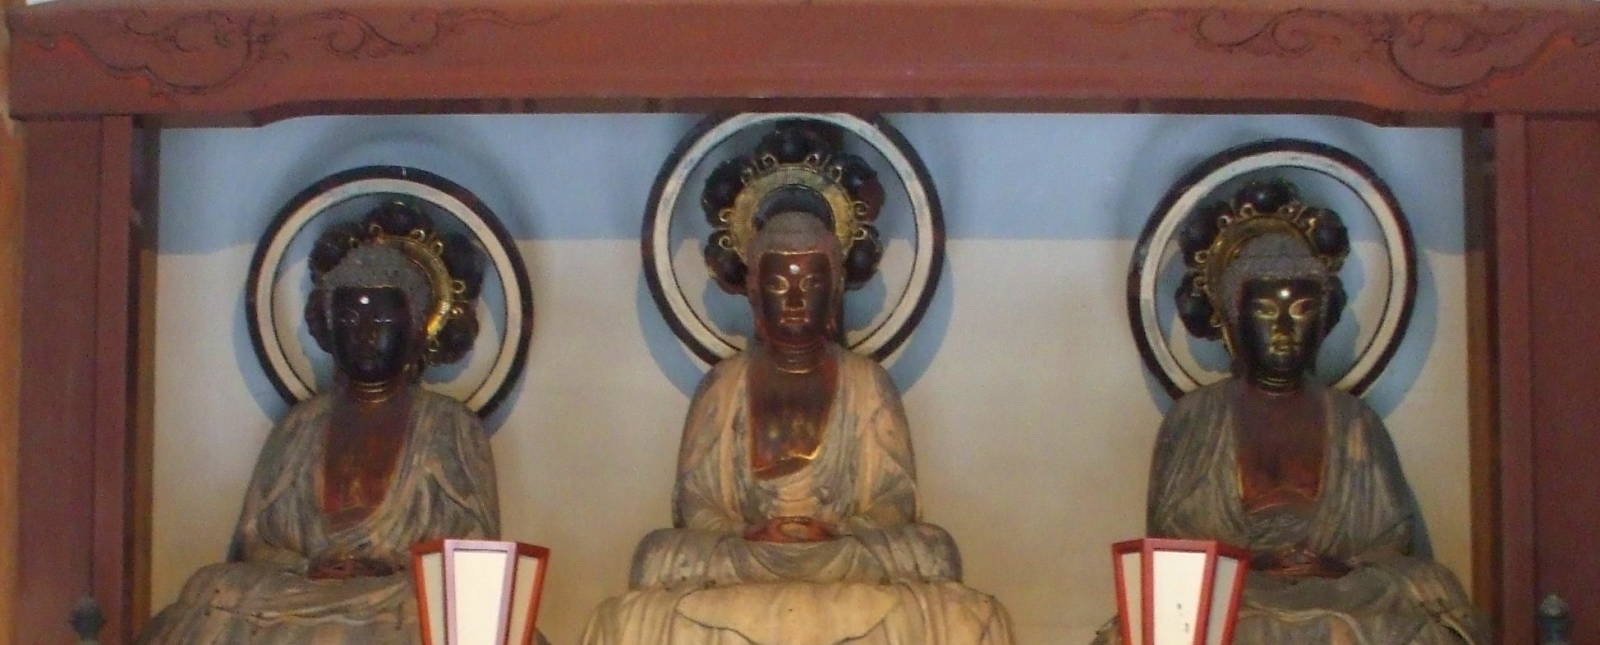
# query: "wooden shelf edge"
[223,61]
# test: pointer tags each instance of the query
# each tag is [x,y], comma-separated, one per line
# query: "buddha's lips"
[1282,345]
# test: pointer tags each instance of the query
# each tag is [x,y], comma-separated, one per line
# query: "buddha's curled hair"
[370,266]
[796,232]
[349,255]
[796,141]
[1279,254]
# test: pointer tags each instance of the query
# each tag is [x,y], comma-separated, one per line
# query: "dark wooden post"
[1547,244]
[10,328]
[75,463]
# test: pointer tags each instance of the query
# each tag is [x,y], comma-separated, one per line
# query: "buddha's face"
[794,296]
[371,332]
[1280,328]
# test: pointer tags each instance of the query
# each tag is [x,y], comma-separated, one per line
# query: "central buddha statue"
[1301,474]
[795,515]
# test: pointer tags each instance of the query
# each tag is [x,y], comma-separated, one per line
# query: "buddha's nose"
[1284,324]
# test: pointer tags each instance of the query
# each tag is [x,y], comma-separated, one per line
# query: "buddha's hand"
[791,530]
[345,567]
[1299,562]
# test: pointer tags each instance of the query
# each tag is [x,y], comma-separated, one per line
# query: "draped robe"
[889,579]
[443,486]
[1365,517]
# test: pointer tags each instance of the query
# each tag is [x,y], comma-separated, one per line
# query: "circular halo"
[293,379]
[1230,164]
[692,328]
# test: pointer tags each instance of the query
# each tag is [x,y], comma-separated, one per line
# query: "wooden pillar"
[77,454]
[1478,144]
[57,436]
[142,317]
[1513,384]
[1547,241]
[1564,243]
[10,337]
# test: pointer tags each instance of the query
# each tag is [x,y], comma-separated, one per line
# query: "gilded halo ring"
[671,288]
[1157,244]
[278,282]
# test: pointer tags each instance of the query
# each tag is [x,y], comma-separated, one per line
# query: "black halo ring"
[692,150]
[442,193]
[1224,166]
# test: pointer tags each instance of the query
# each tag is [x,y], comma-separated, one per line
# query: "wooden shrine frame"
[94,79]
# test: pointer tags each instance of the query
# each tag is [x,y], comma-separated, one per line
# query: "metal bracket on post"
[1554,623]
[87,620]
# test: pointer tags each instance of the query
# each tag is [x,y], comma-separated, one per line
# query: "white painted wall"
[1031,413]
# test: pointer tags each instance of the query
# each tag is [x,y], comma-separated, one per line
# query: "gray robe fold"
[443,486]
[1365,516]
[890,579]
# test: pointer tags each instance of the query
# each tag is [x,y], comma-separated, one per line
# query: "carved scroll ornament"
[1444,53]
[210,50]
[1402,58]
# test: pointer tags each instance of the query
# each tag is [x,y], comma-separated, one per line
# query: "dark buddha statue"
[796,519]
[1280,328]
[350,479]
[1302,474]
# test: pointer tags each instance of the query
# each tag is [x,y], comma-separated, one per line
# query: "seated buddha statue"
[795,514]
[350,479]
[1301,474]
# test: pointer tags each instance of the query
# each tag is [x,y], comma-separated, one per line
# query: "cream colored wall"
[1031,413]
